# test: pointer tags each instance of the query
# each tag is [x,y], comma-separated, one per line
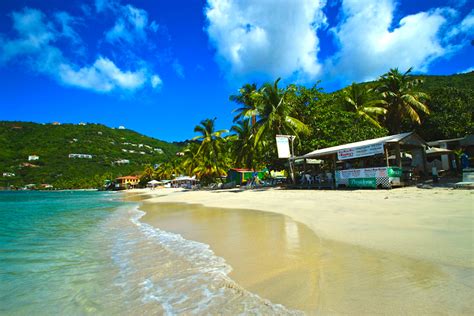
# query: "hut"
[366,164]
[241,176]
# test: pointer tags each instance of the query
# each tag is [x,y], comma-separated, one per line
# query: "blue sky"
[160,67]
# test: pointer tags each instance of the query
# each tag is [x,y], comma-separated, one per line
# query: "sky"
[160,67]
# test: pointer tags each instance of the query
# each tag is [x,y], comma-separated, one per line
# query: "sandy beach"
[395,251]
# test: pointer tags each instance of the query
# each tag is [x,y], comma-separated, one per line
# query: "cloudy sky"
[159,67]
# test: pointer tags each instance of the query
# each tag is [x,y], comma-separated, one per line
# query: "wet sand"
[405,251]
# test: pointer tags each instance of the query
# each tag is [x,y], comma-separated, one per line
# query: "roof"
[127,177]
[241,170]
[441,141]
[381,140]
[437,151]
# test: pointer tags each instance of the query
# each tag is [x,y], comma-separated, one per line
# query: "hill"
[114,152]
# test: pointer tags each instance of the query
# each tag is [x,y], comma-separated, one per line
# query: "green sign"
[394,172]
[362,183]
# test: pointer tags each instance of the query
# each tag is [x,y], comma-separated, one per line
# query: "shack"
[367,164]
[184,182]
[241,176]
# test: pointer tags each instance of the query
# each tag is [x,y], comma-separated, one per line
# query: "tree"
[357,99]
[246,98]
[402,99]
[211,163]
[275,114]
[244,148]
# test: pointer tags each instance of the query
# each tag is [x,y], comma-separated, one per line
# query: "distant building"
[82,156]
[28,165]
[99,133]
[33,157]
[121,127]
[56,123]
[142,152]
[8,174]
[121,162]
[124,150]
[82,123]
[127,182]
[158,150]
[179,153]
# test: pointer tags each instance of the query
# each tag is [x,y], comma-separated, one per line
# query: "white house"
[8,174]
[82,156]
[121,162]
[121,127]
[33,157]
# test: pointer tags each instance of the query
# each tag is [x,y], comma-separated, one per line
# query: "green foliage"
[54,143]
[452,114]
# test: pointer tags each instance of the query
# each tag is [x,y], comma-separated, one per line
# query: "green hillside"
[54,143]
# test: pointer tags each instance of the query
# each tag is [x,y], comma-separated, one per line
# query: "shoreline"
[394,251]
[350,216]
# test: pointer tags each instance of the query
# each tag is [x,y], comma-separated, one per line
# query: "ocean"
[79,252]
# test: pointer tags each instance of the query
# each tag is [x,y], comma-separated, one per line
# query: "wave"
[182,276]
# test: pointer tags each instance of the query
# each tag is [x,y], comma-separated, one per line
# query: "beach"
[405,250]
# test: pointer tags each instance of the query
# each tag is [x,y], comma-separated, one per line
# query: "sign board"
[283,146]
[363,183]
[362,173]
[362,151]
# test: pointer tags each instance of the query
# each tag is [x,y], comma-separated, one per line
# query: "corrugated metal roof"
[332,150]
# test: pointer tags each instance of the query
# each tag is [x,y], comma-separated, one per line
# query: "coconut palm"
[402,99]
[210,148]
[357,99]
[246,98]
[244,148]
[275,114]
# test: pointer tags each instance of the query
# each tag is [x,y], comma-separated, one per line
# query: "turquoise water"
[50,260]
[87,253]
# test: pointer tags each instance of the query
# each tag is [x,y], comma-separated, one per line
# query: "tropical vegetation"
[436,107]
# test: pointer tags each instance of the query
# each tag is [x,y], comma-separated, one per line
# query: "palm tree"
[147,174]
[402,100]
[246,98]
[275,114]
[357,99]
[211,146]
[243,144]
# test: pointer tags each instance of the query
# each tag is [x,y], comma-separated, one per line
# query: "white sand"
[436,224]
[401,251]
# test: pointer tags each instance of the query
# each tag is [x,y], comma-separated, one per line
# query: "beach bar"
[383,162]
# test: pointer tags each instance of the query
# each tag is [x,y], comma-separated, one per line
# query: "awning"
[410,138]
[433,151]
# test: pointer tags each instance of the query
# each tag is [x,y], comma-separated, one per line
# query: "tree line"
[394,103]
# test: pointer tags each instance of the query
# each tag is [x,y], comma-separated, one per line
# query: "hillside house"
[81,156]
[121,162]
[33,157]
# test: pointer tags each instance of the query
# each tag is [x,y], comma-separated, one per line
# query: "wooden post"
[334,161]
[386,156]
[398,155]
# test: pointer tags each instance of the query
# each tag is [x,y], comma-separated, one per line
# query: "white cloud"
[102,76]
[178,68]
[465,29]
[269,37]
[131,25]
[470,69]
[369,46]
[156,82]
[36,44]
